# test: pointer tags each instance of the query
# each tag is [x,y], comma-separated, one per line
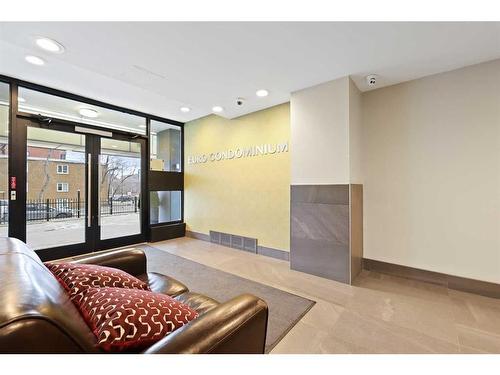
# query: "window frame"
[164,180]
[153,146]
[63,184]
[63,166]
[181,208]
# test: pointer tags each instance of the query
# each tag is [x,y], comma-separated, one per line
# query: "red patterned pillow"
[124,319]
[77,278]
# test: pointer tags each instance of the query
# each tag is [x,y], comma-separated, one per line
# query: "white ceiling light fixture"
[217,109]
[185,109]
[49,45]
[88,112]
[142,126]
[35,60]
[20,100]
[262,93]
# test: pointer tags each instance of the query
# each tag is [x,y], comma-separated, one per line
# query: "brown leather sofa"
[36,315]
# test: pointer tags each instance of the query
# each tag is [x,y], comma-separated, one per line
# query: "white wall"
[355,135]
[320,134]
[431,161]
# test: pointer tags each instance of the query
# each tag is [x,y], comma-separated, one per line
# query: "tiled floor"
[379,314]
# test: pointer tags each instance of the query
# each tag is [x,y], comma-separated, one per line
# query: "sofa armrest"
[132,261]
[237,326]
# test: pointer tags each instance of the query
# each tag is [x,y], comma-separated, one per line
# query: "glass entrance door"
[120,191]
[84,191]
[56,188]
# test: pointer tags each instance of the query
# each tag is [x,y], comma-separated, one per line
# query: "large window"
[58,169]
[165,147]
[4,158]
[165,206]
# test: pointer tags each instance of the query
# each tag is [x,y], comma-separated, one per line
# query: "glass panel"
[36,102]
[55,203]
[165,146]
[120,188]
[4,159]
[164,206]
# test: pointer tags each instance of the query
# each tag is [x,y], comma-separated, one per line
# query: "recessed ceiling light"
[217,109]
[114,146]
[20,100]
[88,112]
[35,60]
[49,45]
[185,109]
[261,93]
[142,126]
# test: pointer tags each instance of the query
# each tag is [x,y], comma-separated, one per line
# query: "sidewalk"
[43,234]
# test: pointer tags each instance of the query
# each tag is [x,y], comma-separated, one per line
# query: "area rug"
[285,309]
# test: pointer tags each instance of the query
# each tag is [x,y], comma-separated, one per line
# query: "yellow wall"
[248,196]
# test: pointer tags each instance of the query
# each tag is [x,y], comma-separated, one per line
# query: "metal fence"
[58,209]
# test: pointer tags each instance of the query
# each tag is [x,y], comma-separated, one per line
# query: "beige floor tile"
[302,339]
[429,317]
[382,337]
[476,311]
[379,314]
[323,315]
[469,350]
[306,339]
[478,339]
[401,286]
[301,283]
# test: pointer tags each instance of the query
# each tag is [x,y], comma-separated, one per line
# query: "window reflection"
[165,206]
[165,147]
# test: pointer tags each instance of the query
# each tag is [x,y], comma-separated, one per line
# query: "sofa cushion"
[132,319]
[76,278]
[159,283]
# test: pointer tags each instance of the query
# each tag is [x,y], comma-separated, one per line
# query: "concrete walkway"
[43,234]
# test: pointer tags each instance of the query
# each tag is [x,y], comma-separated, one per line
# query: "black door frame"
[17,149]
[92,233]
[125,240]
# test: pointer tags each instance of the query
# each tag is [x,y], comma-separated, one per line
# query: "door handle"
[99,190]
[89,189]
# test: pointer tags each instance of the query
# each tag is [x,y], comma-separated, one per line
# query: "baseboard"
[463,284]
[198,236]
[273,253]
[261,250]
[167,232]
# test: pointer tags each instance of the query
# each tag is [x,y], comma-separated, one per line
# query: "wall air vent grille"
[234,241]
[250,244]
[225,239]
[237,242]
[214,237]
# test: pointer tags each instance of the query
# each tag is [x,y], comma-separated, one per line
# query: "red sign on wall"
[13,183]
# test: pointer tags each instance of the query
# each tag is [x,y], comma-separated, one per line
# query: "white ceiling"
[159,67]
